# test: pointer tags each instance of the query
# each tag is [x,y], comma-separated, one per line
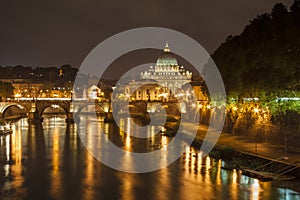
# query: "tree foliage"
[264,60]
[6,89]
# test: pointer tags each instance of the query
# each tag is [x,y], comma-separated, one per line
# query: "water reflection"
[50,162]
[234,185]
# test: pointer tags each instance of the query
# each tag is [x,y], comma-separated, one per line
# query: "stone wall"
[257,125]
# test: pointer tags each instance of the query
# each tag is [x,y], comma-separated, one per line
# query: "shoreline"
[236,159]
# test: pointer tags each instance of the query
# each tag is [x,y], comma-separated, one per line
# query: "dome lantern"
[167,48]
[167,58]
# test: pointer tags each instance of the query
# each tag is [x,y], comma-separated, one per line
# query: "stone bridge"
[34,109]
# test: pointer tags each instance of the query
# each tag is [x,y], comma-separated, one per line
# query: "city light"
[18,95]
[163,95]
[7,126]
[55,106]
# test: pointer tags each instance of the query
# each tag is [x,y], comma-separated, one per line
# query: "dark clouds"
[52,33]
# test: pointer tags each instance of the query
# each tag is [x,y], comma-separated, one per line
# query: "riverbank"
[239,152]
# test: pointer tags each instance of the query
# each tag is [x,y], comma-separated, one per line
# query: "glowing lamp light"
[256,183]
[21,107]
[18,95]
[256,110]
[163,95]
[7,126]
[55,106]
[234,108]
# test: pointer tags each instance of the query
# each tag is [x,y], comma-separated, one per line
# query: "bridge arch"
[172,109]
[5,106]
[41,110]
[98,107]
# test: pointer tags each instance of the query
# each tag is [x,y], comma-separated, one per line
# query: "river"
[50,162]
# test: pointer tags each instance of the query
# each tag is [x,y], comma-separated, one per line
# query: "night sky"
[57,32]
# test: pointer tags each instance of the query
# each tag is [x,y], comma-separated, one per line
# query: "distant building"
[168,73]
[162,82]
[94,92]
[27,89]
[143,91]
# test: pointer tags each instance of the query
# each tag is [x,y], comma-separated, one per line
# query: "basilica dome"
[166,58]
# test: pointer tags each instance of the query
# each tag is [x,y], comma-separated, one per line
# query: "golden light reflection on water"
[151,136]
[127,160]
[127,187]
[127,138]
[6,167]
[13,159]
[88,174]
[207,163]
[164,141]
[7,141]
[218,178]
[186,160]
[126,179]
[106,128]
[17,146]
[16,155]
[207,171]
[163,174]
[93,139]
[56,187]
[192,177]
[234,185]
[163,182]
[200,155]
[255,190]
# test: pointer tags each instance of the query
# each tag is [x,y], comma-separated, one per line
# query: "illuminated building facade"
[170,78]
[168,73]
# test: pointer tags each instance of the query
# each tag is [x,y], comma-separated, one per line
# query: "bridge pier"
[70,118]
[109,117]
[34,118]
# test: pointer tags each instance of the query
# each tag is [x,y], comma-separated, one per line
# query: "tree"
[289,125]
[265,58]
[6,90]
[264,62]
[279,11]
[295,8]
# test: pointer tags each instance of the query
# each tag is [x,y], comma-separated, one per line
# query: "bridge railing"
[46,99]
